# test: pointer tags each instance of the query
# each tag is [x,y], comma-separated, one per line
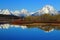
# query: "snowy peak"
[24,11]
[17,12]
[5,12]
[48,9]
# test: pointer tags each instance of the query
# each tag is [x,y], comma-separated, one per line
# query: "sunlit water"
[20,33]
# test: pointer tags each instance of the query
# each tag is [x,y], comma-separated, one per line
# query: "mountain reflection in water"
[46,28]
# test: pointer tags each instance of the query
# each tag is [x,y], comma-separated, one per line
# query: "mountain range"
[48,9]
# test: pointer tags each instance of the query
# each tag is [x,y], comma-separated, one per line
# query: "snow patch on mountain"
[5,12]
[16,13]
[46,10]
[24,12]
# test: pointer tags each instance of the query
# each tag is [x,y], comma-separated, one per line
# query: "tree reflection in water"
[46,28]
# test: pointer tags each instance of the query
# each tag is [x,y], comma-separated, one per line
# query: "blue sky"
[31,5]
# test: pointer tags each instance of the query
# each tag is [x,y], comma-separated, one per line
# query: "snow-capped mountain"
[16,13]
[46,10]
[21,13]
[24,12]
[5,12]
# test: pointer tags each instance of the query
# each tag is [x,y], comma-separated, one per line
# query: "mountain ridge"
[48,9]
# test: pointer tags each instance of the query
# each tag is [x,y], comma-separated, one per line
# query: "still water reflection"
[17,32]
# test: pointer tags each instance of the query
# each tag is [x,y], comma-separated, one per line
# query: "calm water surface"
[28,34]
